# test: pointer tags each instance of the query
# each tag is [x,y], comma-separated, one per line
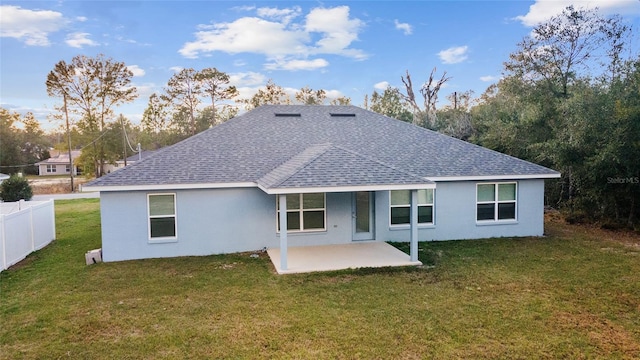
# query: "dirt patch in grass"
[608,337]
[555,224]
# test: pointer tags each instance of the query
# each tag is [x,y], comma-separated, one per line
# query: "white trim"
[332,189]
[493,177]
[168,187]
[163,239]
[496,202]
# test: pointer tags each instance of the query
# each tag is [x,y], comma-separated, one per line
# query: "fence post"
[31,226]
[52,209]
[3,240]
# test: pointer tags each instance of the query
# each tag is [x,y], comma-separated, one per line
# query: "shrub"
[15,188]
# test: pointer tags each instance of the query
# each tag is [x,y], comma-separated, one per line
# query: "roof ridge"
[312,153]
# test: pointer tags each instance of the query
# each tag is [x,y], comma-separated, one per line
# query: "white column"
[414,226]
[283,231]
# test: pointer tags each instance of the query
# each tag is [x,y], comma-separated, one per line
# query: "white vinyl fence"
[25,226]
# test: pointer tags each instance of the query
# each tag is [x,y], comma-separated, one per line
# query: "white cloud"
[81,18]
[176,69]
[541,10]
[31,26]
[79,39]
[488,78]
[136,70]
[454,55]
[382,85]
[338,30]
[284,15]
[294,65]
[274,34]
[247,79]
[248,34]
[405,27]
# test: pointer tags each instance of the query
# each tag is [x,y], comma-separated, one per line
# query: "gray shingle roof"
[317,149]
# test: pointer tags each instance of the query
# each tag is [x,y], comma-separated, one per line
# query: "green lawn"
[573,294]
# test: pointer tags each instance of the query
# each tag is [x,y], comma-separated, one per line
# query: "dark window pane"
[425,214]
[293,220]
[506,211]
[163,227]
[400,215]
[293,201]
[313,201]
[486,211]
[313,220]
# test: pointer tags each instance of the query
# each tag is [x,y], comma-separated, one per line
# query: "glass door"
[363,215]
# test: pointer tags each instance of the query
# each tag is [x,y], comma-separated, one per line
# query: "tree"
[308,96]
[429,90]
[154,123]
[184,91]
[10,158]
[93,87]
[21,148]
[390,103]
[216,84]
[34,147]
[341,100]
[559,49]
[15,188]
[271,94]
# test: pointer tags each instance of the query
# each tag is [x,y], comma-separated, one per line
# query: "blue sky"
[348,48]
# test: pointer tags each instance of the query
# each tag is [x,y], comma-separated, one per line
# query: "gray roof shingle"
[317,148]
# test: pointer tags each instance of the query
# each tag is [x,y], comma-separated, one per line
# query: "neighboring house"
[332,174]
[108,168]
[58,164]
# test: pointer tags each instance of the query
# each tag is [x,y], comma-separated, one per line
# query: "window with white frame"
[51,168]
[400,203]
[162,215]
[305,212]
[67,168]
[496,201]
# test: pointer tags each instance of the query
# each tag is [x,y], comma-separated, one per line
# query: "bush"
[15,188]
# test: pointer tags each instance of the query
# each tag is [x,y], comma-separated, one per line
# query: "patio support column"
[283,231]
[414,226]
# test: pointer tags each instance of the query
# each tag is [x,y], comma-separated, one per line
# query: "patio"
[339,257]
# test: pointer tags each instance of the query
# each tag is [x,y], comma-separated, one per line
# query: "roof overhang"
[348,188]
[495,177]
[105,188]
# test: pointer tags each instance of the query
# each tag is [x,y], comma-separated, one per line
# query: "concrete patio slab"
[304,259]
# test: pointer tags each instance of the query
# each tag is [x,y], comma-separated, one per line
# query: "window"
[305,212]
[67,168]
[162,215]
[496,202]
[401,207]
[51,168]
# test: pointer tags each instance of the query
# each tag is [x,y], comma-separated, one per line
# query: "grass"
[572,294]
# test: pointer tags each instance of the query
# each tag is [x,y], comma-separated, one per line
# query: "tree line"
[569,99]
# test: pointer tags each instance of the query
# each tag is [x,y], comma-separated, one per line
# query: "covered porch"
[370,254]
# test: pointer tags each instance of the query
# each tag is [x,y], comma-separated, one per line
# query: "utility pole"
[124,142]
[66,114]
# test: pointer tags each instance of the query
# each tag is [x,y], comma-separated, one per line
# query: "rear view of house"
[326,174]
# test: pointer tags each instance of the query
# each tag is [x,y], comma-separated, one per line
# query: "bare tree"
[429,91]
